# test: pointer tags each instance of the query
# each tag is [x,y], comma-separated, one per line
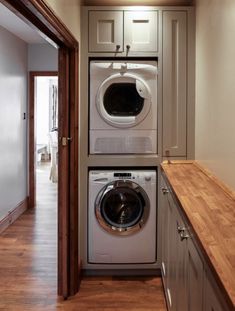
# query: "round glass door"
[123,100]
[122,207]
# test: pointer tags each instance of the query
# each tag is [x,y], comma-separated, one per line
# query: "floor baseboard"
[13,215]
[122,272]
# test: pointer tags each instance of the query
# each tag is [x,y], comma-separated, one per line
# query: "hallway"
[28,266]
[28,252]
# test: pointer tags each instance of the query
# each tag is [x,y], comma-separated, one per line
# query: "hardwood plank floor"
[28,268]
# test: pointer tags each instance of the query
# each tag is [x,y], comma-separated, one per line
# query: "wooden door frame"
[38,15]
[31,135]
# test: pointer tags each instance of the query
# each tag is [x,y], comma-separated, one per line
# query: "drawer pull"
[165,190]
[184,236]
[181,229]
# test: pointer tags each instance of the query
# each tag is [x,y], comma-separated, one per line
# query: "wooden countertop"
[210,209]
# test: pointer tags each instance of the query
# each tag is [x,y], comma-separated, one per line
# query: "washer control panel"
[136,175]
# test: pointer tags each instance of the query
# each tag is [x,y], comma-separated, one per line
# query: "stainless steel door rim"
[122,207]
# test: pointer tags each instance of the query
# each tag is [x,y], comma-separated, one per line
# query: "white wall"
[215,87]
[42,57]
[43,108]
[13,103]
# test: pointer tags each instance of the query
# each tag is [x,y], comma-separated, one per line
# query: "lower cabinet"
[185,281]
[213,300]
[195,278]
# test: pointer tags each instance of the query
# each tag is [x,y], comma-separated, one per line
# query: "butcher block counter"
[209,208]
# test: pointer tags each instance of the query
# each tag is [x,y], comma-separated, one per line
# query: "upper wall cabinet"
[108,32]
[140,31]
[105,31]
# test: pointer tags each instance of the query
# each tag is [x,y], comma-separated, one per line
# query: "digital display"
[122,174]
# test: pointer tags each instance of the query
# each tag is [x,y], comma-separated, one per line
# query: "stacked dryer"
[123,107]
[122,203]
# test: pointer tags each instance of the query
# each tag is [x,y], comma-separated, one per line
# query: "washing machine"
[123,107]
[122,215]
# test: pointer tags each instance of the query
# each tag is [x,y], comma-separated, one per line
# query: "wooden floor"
[28,263]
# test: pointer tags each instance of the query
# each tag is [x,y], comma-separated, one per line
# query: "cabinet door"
[174,83]
[182,273]
[212,293]
[195,278]
[105,31]
[168,247]
[164,231]
[172,254]
[140,31]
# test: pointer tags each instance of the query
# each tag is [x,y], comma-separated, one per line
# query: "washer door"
[123,100]
[122,207]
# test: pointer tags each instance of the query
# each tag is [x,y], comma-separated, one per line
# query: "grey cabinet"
[174,57]
[141,31]
[182,267]
[118,31]
[213,299]
[188,282]
[174,255]
[211,302]
[195,278]
[105,31]
[165,231]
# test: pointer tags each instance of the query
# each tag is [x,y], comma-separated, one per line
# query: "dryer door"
[123,100]
[122,207]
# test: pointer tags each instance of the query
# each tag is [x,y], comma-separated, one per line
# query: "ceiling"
[15,25]
[137,2]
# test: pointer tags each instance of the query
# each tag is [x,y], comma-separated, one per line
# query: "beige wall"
[137,2]
[69,12]
[215,87]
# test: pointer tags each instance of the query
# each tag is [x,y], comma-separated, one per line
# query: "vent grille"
[123,145]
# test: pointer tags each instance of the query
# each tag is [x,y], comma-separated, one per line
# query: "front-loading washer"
[122,215]
[123,107]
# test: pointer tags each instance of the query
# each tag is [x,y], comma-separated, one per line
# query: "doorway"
[43,136]
[38,15]
[45,153]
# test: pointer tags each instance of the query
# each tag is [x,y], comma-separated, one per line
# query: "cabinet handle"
[181,229]
[128,47]
[184,236]
[118,47]
[165,190]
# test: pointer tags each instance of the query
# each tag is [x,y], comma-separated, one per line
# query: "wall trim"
[12,215]
[229,191]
